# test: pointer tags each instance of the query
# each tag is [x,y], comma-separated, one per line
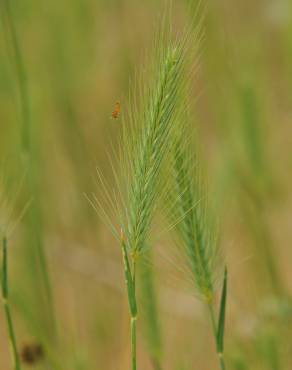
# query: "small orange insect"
[116,110]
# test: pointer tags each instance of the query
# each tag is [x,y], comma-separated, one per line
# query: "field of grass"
[145,184]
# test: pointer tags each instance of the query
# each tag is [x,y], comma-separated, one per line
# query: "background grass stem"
[5,298]
[20,75]
[35,242]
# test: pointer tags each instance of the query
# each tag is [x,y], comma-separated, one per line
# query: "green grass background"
[79,57]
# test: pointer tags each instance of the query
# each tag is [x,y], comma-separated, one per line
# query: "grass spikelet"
[198,237]
[197,233]
[148,147]
[146,137]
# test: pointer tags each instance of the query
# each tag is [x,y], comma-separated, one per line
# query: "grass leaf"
[221,320]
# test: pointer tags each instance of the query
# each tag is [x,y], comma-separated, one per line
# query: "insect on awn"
[116,110]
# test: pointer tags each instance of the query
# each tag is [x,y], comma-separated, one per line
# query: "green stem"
[133,343]
[27,151]
[221,361]
[133,321]
[21,76]
[130,278]
[6,306]
[214,330]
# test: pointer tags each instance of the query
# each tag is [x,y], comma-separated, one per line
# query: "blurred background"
[58,87]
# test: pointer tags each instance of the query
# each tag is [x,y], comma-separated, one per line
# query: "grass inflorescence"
[147,137]
[148,147]
[196,228]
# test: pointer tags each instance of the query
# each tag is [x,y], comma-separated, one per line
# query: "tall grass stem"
[27,153]
[5,299]
[133,343]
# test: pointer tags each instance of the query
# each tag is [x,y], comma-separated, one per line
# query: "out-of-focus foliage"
[78,58]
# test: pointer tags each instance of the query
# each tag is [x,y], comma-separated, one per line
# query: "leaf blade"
[221,319]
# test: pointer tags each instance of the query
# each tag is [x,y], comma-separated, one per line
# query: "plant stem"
[21,77]
[221,361]
[133,342]
[133,320]
[6,306]
[150,325]
[214,330]
[27,155]
[130,278]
